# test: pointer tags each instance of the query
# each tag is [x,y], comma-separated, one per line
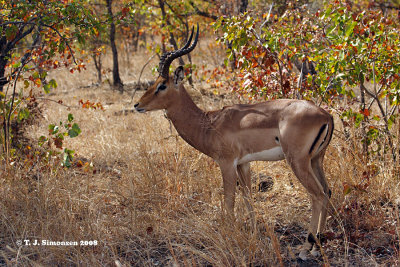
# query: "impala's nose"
[138,109]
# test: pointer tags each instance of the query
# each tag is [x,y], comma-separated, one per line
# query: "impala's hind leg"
[317,166]
[304,172]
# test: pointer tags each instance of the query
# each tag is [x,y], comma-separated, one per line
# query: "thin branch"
[373,99]
[16,23]
[141,72]
[269,14]
[277,59]
[202,13]
[55,101]
[385,118]
[300,81]
[8,122]
[373,74]
[392,110]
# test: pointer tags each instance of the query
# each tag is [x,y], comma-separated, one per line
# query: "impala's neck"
[191,122]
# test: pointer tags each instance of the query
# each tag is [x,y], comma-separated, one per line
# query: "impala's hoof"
[315,252]
[306,251]
[303,254]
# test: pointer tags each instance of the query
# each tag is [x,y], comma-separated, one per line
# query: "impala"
[295,130]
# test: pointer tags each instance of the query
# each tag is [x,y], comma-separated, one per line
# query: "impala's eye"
[161,87]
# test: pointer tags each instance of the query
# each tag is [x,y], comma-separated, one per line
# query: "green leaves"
[70,117]
[49,85]
[68,156]
[74,131]
[23,114]
[57,134]
[350,28]
[53,129]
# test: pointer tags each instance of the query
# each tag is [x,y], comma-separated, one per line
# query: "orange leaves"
[86,167]
[216,76]
[141,31]
[55,64]
[78,67]
[36,81]
[91,105]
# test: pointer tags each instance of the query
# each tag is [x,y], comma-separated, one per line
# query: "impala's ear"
[178,75]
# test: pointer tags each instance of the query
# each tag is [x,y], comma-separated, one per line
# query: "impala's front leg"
[244,174]
[229,177]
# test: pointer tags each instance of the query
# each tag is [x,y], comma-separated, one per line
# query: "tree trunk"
[3,80]
[3,62]
[232,62]
[363,123]
[117,82]
[243,6]
[98,65]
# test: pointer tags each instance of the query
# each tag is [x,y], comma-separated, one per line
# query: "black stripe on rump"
[318,136]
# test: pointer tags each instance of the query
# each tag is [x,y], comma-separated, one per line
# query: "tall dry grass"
[149,199]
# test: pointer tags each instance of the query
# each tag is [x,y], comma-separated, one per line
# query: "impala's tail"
[323,138]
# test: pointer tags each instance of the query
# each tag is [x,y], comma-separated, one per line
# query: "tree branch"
[140,75]
[202,13]
[23,35]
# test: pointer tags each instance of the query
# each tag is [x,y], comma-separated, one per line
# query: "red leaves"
[58,142]
[124,11]
[370,172]
[149,230]
[268,60]
[365,112]
[91,105]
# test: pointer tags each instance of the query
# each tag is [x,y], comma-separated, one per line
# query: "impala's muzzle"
[141,110]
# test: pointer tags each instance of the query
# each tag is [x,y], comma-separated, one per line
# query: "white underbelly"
[272,154]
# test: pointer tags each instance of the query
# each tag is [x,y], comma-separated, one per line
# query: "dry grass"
[152,200]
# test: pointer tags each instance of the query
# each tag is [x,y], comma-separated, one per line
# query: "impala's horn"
[168,57]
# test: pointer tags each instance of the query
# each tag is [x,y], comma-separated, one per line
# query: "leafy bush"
[341,53]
